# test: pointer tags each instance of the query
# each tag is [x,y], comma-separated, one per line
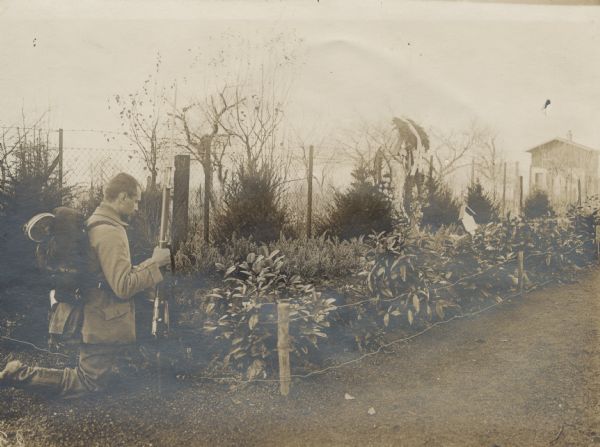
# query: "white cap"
[38,227]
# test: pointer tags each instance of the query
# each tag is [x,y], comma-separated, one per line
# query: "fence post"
[311,150]
[579,192]
[207,190]
[598,243]
[472,172]
[504,192]
[283,345]
[60,162]
[181,196]
[516,188]
[520,195]
[521,262]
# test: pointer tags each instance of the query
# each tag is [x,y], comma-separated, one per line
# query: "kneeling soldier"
[108,326]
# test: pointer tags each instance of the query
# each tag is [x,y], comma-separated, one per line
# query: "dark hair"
[121,182]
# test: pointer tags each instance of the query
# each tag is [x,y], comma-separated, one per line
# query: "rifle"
[160,316]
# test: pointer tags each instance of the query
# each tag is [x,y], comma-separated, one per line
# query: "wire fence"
[86,159]
[90,157]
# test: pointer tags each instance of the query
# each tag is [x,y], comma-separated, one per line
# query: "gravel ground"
[525,373]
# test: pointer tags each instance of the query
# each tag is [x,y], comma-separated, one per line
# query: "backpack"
[63,251]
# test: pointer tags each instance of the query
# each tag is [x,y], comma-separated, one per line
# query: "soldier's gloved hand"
[161,256]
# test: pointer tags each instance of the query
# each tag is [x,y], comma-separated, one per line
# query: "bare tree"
[206,141]
[489,160]
[453,148]
[145,121]
[253,123]
[11,146]
[374,144]
[457,150]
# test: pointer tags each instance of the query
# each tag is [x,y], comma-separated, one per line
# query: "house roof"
[562,140]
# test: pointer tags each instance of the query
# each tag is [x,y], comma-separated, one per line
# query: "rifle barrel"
[164,217]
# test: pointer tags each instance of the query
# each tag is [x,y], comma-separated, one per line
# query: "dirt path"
[525,373]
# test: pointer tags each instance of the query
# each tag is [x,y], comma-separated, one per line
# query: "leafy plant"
[413,143]
[413,278]
[242,313]
[401,274]
[316,259]
[418,277]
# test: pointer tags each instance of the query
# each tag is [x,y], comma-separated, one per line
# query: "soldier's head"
[123,193]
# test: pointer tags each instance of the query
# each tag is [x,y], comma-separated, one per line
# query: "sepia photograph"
[299,223]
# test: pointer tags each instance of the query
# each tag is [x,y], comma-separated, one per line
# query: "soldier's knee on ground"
[41,380]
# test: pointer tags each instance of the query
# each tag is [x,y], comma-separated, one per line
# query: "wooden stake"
[207,190]
[310,192]
[598,242]
[579,191]
[516,188]
[520,194]
[283,345]
[521,262]
[504,192]
[181,197]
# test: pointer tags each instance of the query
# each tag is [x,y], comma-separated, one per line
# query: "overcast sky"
[441,63]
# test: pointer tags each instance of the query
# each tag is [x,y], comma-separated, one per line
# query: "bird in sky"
[546,105]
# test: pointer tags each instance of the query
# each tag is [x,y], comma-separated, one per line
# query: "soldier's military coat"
[109,312]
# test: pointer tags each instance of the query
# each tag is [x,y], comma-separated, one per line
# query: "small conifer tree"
[362,209]
[481,204]
[537,205]
[252,205]
[440,207]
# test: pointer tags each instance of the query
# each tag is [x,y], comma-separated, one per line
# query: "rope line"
[34,346]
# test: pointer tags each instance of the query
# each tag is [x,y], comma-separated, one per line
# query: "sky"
[444,64]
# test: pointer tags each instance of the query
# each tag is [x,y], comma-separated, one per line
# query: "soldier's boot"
[42,380]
